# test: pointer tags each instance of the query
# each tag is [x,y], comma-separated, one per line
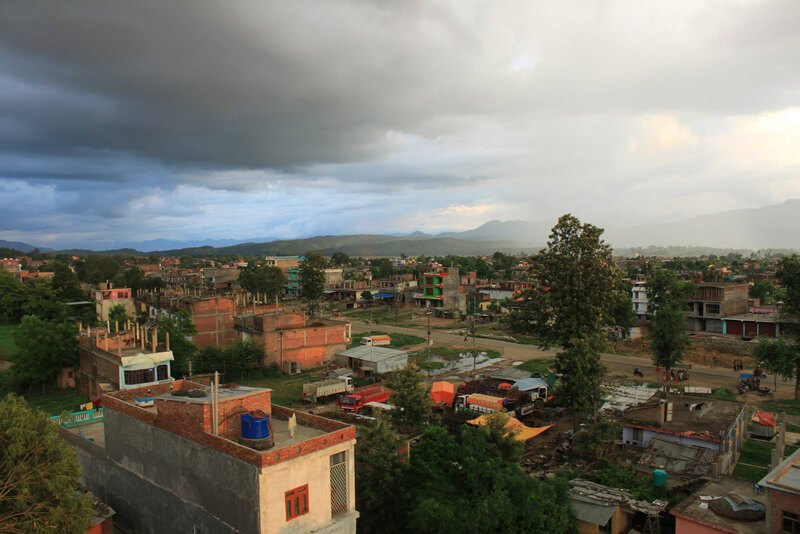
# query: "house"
[681,462]
[600,508]
[106,296]
[11,265]
[710,302]
[639,297]
[726,504]
[187,457]
[369,360]
[220,278]
[783,495]
[284,262]
[130,358]
[697,421]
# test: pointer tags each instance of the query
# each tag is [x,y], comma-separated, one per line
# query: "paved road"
[618,364]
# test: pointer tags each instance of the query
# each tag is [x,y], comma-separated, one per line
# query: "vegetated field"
[7,344]
[286,390]
[537,366]
[723,393]
[386,315]
[57,401]
[755,459]
[789,407]
[792,428]
[398,340]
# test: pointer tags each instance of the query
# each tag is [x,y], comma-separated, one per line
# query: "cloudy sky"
[129,121]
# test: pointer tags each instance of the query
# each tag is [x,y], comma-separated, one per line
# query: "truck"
[355,401]
[313,391]
[376,341]
[481,403]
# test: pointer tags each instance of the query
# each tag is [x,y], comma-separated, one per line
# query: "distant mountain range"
[770,227]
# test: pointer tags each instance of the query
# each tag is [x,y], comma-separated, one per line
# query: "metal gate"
[338,483]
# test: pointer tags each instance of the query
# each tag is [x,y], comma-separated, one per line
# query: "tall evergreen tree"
[665,298]
[312,281]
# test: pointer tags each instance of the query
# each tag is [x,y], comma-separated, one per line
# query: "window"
[141,376]
[791,523]
[712,308]
[638,435]
[339,483]
[296,502]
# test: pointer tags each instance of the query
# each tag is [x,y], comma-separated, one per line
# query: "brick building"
[183,464]
[127,359]
[783,495]
[291,338]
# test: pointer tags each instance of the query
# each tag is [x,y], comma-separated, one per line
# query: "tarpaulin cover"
[764,418]
[521,432]
[443,392]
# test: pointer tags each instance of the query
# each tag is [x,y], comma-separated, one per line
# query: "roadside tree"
[312,281]
[411,399]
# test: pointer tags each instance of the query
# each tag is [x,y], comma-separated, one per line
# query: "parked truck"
[355,401]
[376,341]
[481,403]
[313,391]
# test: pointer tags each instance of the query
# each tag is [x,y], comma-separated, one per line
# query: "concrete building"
[698,513]
[128,359]
[333,278]
[10,265]
[783,495]
[600,508]
[293,281]
[106,297]
[370,360]
[711,302]
[442,289]
[689,420]
[290,338]
[639,297]
[220,278]
[283,262]
[182,463]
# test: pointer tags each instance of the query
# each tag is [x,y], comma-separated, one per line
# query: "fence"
[84,417]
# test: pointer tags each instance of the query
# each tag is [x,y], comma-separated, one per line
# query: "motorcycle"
[638,372]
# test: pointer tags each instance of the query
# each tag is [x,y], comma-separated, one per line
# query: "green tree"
[39,475]
[66,283]
[97,268]
[577,287]
[340,259]
[382,268]
[468,483]
[179,328]
[665,298]
[43,302]
[45,347]
[117,316]
[312,281]
[263,279]
[764,291]
[777,357]
[13,296]
[366,296]
[132,278]
[411,399]
[502,438]
[378,475]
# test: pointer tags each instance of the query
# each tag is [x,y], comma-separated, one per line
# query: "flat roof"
[371,353]
[786,476]
[692,416]
[695,508]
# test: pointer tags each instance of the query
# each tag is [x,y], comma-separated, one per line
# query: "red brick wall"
[213,320]
[309,346]
[780,502]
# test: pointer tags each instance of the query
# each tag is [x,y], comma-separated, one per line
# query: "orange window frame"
[296,501]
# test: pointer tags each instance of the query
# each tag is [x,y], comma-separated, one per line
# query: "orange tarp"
[443,392]
[764,418]
[521,432]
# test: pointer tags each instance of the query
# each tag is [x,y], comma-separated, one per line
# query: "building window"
[791,523]
[140,376]
[638,435]
[339,483]
[296,502]
[712,308]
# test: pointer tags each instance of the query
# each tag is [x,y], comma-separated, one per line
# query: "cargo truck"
[376,341]
[481,403]
[314,391]
[355,401]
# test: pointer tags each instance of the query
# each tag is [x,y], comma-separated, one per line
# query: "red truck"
[356,400]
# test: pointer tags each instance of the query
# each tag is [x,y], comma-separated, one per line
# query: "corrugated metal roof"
[371,353]
[597,514]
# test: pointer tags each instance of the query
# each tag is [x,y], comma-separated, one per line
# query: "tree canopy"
[39,475]
[411,399]
[265,279]
[665,298]
[312,281]
[45,347]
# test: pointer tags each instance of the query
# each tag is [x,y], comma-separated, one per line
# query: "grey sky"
[135,120]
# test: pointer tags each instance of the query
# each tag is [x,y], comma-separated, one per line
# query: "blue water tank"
[255,425]
[659,478]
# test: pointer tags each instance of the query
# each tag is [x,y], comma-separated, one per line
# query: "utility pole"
[429,334]
[474,347]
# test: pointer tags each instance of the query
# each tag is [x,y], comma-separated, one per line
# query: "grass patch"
[788,450]
[56,402]
[384,315]
[536,366]
[7,345]
[398,340]
[286,390]
[750,472]
[756,452]
[430,366]
[723,393]
[789,407]
[790,427]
